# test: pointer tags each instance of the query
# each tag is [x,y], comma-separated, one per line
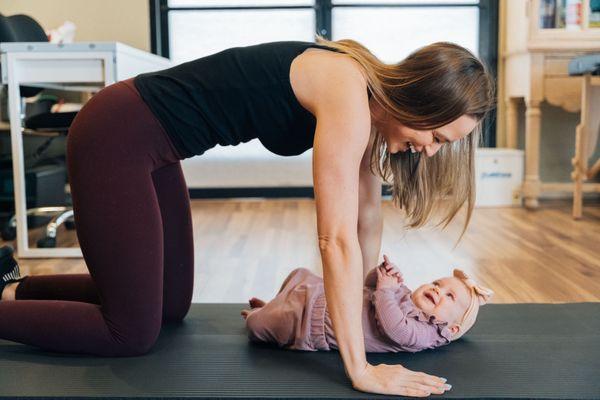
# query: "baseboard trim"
[262,192]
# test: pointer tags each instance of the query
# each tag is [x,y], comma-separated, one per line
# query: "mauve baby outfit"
[298,319]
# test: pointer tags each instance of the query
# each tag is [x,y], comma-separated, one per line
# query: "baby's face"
[447,299]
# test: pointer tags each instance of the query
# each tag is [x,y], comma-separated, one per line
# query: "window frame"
[488,33]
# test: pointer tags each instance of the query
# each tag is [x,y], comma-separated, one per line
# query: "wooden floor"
[245,248]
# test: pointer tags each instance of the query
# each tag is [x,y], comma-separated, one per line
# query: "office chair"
[22,28]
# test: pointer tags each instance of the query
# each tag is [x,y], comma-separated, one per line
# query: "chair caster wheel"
[9,233]
[70,224]
[46,242]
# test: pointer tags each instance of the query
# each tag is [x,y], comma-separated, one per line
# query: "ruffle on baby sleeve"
[444,334]
[438,332]
[317,324]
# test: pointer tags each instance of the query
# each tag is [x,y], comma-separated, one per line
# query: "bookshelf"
[574,24]
[540,38]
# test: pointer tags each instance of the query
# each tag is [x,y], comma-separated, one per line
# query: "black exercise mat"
[541,351]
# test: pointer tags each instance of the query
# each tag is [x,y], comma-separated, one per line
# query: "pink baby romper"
[294,319]
[298,319]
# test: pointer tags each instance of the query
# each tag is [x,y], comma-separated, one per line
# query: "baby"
[394,318]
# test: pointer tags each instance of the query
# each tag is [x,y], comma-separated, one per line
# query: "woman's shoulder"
[319,75]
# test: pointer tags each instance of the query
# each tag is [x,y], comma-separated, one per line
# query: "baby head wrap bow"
[480,295]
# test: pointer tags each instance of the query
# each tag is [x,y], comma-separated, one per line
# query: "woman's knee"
[177,312]
[135,340]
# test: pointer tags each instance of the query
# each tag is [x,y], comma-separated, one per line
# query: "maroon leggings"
[133,220]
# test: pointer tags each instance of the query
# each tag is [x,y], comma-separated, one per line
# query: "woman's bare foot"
[256,302]
[9,291]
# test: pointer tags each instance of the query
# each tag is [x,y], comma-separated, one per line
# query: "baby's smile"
[430,296]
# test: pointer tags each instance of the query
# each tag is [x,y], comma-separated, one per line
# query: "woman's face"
[400,138]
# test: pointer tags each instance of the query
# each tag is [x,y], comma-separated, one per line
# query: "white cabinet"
[535,61]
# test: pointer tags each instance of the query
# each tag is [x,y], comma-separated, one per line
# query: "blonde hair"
[430,88]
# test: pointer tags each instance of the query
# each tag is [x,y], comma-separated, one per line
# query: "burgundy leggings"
[133,220]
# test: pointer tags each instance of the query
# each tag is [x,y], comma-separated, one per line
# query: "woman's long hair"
[430,88]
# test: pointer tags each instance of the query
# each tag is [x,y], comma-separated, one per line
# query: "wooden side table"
[585,142]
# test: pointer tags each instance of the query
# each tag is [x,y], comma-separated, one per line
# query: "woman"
[365,121]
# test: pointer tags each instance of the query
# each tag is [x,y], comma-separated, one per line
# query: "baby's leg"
[272,323]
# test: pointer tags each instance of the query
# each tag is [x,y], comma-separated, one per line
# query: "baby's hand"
[385,280]
[392,269]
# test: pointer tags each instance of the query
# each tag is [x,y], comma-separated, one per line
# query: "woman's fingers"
[425,388]
[420,385]
[413,392]
[416,387]
[397,380]
[429,380]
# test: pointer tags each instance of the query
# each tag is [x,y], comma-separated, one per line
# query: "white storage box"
[498,177]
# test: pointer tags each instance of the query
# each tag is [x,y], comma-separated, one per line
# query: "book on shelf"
[594,21]
[547,14]
[561,14]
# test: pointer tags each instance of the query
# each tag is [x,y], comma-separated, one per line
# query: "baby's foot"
[256,302]
[246,313]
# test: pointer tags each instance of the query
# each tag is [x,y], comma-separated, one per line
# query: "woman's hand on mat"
[397,380]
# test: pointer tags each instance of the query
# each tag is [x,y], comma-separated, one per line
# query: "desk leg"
[532,184]
[16,139]
[511,123]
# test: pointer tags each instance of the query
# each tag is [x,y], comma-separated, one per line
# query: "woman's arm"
[371,278]
[370,219]
[341,137]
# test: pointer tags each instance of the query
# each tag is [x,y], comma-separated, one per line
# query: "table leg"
[581,141]
[19,189]
[511,123]
[532,184]
[578,171]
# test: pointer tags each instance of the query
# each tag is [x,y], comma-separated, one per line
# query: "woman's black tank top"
[232,97]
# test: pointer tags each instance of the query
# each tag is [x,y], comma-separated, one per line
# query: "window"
[195,33]
[392,33]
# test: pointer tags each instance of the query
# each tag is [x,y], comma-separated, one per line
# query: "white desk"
[85,66]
